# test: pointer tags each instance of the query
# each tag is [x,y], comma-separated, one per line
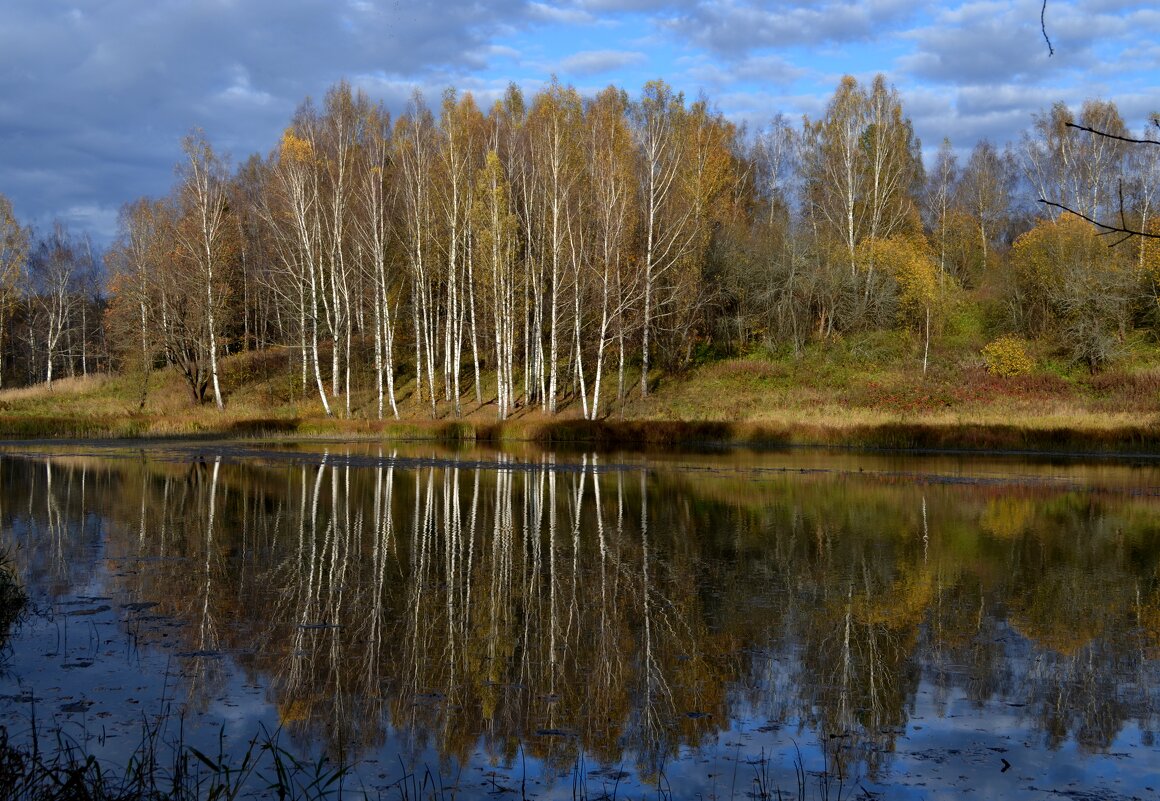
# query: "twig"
[1105,228]
[1114,136]
[1043,27]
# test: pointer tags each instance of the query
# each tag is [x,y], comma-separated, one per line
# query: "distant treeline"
[559,245]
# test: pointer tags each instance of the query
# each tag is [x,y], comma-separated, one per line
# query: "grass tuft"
[162,770]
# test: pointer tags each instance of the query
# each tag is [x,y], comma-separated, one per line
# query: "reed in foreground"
[56,767]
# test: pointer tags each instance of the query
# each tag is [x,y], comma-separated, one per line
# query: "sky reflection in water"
[483,616]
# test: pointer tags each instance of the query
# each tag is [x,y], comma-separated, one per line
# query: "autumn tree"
[338,148]
[375,229]
[559,227]
[938,200]
[14,246]
[56,266]
[1068,284]
[658,124]
[760,256]
[984,191]
[553,124]
[862,168]
[206,238]
[460,129]
[295,210]
[495,229]
[172,288]
[608,157]
[257,254]
[1144,185]
[415,153]
[909,262]
[135,260]
[708,179]
[1072,169]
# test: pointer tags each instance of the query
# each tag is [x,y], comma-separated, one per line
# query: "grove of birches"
[561,250]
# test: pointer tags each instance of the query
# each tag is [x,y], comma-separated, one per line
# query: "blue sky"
[95,96]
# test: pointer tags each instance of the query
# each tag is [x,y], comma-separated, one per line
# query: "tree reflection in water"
[569,609]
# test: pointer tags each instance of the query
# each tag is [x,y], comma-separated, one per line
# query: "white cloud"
[555,13]
[593,62]
[241,92]
[763,70]
[979,43]
[101,99]
[732,28]
[94,102]
[502,51]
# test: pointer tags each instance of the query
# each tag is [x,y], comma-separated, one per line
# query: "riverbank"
[757,402]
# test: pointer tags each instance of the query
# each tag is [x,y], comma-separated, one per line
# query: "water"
[561,626]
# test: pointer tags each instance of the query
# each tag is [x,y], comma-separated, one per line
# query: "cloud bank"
[95,98]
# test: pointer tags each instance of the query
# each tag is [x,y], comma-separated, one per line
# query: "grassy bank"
[868,393]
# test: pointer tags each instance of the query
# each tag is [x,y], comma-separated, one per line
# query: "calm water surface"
[923,627]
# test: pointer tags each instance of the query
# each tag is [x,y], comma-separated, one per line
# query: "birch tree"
[862,166]
[939,199]
[495,229]
[834,166]
[301,251]
[553,122]
[609,159]
[1144,167]
[133,260]
[158,295]
[984,190]
[337,144]
[515,151]
[375,233]
[415,155]
[204,234]
[52,274]
[460,129]
[1072,168]
[658,119]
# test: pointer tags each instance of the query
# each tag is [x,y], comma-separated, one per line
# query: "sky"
[96,95]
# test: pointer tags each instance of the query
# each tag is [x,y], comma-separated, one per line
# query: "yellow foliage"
[1068,283]
[1150,252]
[959,240]
[294,148]
[1056,252]
[913,268]
[1007,356]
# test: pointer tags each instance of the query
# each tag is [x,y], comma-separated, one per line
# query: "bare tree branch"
[1104,227]
[1043,27]
[1114,136]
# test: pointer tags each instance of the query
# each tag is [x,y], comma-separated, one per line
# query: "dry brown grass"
[61,388]
[848,402]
